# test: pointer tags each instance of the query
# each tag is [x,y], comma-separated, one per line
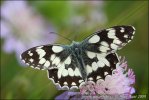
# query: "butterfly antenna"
[61,36]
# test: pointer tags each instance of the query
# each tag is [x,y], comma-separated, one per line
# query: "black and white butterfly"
[69,66]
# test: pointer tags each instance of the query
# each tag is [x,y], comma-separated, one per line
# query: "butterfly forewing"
[110,39]
[45,56]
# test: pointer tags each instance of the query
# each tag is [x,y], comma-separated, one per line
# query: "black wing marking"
[108,40]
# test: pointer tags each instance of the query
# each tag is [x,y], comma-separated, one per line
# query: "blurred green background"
[19,82]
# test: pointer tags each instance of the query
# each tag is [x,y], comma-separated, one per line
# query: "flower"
[22,27]
[117,85]
[67,95]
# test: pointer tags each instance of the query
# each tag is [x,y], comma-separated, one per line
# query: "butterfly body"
[69,66]
[77,51]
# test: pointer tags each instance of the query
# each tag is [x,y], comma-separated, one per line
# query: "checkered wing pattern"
[99,54]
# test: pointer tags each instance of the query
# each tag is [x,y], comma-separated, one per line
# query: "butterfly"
[70,66]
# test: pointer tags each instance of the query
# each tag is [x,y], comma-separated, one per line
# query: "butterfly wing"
[99,54]
[45,56]
[58,60]
[68,76]
[108,40]
[100,65]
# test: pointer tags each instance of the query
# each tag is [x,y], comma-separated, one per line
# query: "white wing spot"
[133,28]
[56,61]
[52,57]
[100,64]
[125,36]
[59,65]
[91,54]
[105,73]
[94,66]
[98,77]
[104,60]
[47,64]
[80,81]
[116,41]
[65,73]
[40,52]
[94,39]
[70,71]
[111,33]
[122,29]
[104,43]
[114,46]
[57,49]
[90,79]
[103,48]
[112,37]
[68,60]
[65,83]
[42,61]
[77,72]
[60,70]
[31,60]
[102,54]
[132,37]
[30,54]
[88,69]
[73,83]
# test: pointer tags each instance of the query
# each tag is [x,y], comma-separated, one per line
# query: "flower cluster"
[22,27]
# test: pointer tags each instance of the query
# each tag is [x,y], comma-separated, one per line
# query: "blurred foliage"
[55,11]
[22,82]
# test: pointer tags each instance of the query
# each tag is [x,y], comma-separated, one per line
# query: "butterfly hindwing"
[102,66]
[110,39]
[68,75]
